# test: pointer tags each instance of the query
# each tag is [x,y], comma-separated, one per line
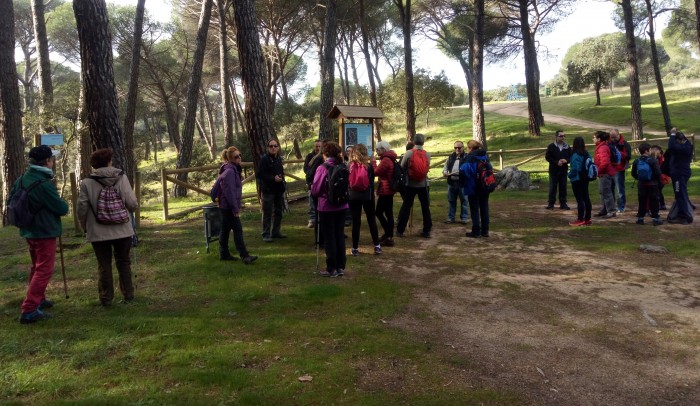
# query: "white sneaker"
[311,224]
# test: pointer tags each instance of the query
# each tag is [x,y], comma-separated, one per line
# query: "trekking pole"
[134,243]
[63,266]
[318,238]
[410,222]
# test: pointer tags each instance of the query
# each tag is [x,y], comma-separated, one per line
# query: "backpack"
[643,170]
[18,212]
[214,193]
[359,178]
[485,176]
[314,164]
[615,155]
[418,165]
[397,183]
[666,164]
[110,206]
[338,182]
[589,170]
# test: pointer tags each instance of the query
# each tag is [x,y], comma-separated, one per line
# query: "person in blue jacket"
[579,184]
[681,152]
[41,234]
[476,194]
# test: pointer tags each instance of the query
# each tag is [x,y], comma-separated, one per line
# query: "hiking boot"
[328,274]
[485,234]
[377,249]
[465,221]
[340,272]
[449,221]
[620,209]
[549,207]
[473,235]
[425,235]
[611,215]
[601,213]
[657,222]
[33,317]
[280,235]
[389,242]
[250,259]
[268,239]
[564,206]
[311,224]
[640,220]
[228,257]
[355,252]
[577,223]
[45,304]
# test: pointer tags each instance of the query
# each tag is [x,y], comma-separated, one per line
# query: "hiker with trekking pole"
[35,206]
[104,203]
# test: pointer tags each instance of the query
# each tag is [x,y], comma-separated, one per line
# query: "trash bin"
[212,224]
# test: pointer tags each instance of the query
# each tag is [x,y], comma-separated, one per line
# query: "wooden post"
[500,158]
[164,183]
[74,202]
[137,191]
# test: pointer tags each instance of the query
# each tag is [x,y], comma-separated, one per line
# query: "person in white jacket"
[106,237]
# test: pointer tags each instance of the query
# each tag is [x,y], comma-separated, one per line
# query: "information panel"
[359,134]
[51,139]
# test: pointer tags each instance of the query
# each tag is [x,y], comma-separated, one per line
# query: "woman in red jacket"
[385,195]
[606,173]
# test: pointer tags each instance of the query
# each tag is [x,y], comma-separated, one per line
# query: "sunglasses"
[561,136]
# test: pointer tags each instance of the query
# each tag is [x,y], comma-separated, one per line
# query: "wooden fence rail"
[297,188]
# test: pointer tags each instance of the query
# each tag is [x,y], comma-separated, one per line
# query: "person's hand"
[445,173]
[278,178]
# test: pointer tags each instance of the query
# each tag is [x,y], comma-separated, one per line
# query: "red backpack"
[418,165]
[359,178]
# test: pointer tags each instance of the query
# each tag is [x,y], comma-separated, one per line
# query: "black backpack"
[338,182]
[18,212]
[397,183]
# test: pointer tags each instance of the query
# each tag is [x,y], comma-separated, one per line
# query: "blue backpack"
[615,155]
[589,170]
[644,173]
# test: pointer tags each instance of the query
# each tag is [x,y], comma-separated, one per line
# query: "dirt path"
[552,323]
[519,109]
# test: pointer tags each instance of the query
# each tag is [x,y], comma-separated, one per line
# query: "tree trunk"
[258,121]
[211,120]
[404,7]
[185,156]
[370,68]
[633,71]
[11,111]
[598,84]
[85,145]
[657,70]
[467,75]
[98,78]
[43,61]
[325,131]
[697,20]
[477,87]
[130,114]
[532,72]
[224,75]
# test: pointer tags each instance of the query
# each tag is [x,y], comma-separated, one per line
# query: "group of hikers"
[652,171]
[342,185]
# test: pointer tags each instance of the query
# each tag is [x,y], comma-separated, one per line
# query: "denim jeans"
[619,185]
[453,193]
[230,222]
[405,210]
[312,208]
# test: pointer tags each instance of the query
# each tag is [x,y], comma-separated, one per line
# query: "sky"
[588,19]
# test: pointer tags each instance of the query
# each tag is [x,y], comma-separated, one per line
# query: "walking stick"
[63,266]
[134,243]
[318,238]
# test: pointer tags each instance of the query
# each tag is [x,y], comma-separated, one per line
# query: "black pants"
[557,180]
[479,209]
[356,208]
[405,211]
[105,280]
[385,214]
[332,223]
[583,199]
[272,205]
[230,222]
[648,194]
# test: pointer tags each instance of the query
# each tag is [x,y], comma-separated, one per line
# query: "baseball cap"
[40,153]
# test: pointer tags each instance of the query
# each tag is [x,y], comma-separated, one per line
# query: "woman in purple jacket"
[331,217]
[230,192]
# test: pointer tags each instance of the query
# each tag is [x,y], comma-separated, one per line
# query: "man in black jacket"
[558,155]
[272,186]
[454,186]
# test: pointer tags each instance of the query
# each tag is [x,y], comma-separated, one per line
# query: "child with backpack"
[41,230]
[361,193]
[648,174]
[580,178]
[329,180]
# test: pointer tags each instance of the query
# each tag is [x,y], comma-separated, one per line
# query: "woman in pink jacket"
[606,174]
